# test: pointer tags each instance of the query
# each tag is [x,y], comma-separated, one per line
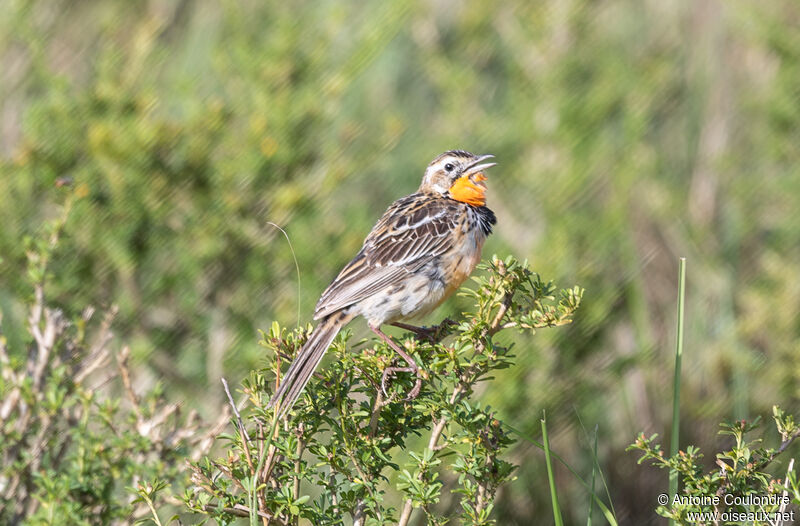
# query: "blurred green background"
[628,134]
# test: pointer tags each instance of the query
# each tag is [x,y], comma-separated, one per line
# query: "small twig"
[482,488]
[271,460]
[122,364]
[11,399]
[436,433]
[99,349]
[203,443]
[54,325]
[245,447]
[92,364]
[153,511]
[495,326]
[238,510]
[225,469]
[358,510]
[242,430]
[376,412]
[786,443]
[352,458]
[235,410]
[299,454]
[358,514]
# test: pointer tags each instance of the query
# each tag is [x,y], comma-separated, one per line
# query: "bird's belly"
[424,290]
[416,295]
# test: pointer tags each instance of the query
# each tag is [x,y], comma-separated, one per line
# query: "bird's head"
[459,175]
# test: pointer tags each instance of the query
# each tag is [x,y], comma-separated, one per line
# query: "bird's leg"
[412,368]
[422,332]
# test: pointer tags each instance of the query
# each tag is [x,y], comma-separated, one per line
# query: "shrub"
[340,449]
[740,485]
[78,440]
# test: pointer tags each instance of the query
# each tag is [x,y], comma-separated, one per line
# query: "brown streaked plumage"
[419,252]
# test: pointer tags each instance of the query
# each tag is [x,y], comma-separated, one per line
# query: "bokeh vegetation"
[81,443]
[628,133]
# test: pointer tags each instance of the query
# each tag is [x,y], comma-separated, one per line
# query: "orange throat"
[470,189]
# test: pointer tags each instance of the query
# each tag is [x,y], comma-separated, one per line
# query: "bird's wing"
[411,232]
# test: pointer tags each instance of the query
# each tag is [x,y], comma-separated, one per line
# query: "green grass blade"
[594,474]
[608,513]
[676,384]
[553,493]
[596,469]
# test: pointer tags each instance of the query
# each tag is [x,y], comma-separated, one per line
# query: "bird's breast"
[459,264]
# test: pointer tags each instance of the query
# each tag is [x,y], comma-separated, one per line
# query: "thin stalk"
[553,494]
[594,474]
[609,514]
[433,442]
[676,384]
[253,495]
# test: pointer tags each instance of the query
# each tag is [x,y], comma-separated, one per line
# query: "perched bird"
[419,252]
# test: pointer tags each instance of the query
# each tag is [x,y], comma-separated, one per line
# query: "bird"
[418,253]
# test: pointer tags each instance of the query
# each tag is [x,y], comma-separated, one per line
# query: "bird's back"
[423,245]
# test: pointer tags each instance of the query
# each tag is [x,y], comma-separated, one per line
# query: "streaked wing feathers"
[414,230]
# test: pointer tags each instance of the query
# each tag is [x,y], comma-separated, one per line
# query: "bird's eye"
[449,167]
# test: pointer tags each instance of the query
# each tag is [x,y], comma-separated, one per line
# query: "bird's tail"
[307,361]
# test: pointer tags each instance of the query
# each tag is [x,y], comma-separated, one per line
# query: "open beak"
[470,187]
[475,170]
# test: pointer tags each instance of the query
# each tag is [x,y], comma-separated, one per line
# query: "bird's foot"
[390,371]
[434,333]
